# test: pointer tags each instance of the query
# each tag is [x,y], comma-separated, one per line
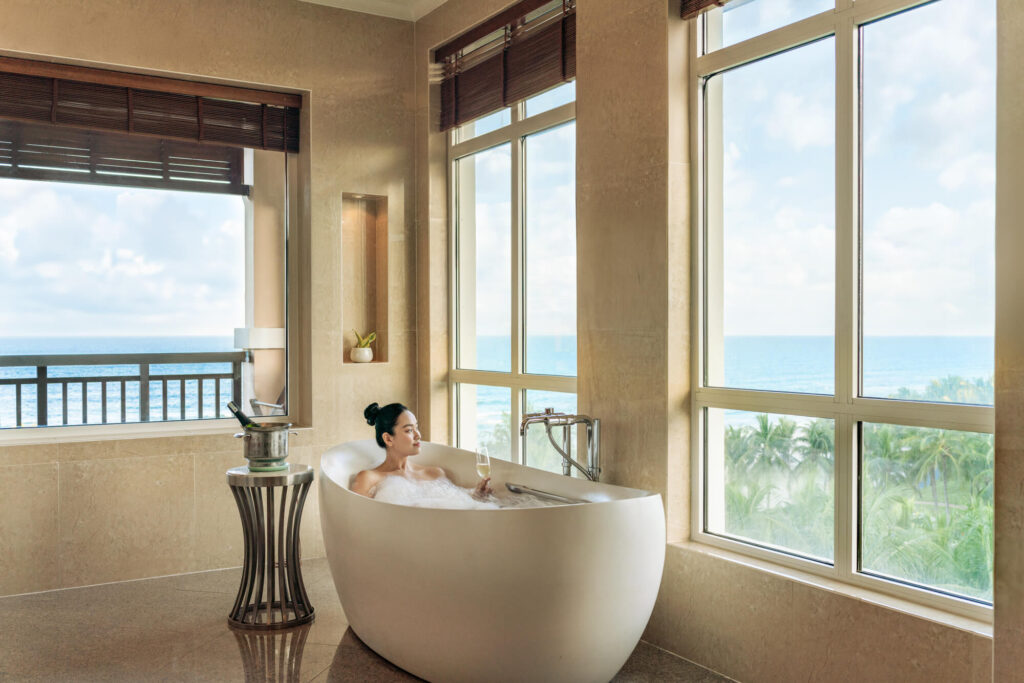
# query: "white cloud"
[8,252]
[49,269]
[929,270]
[929,83]
[801,121]
[974,169]
[493,274]
[101,260]
[779,277]
[929,185]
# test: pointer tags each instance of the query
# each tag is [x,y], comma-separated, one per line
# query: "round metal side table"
[271,595]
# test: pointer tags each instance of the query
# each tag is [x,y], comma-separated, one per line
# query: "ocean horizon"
[802,364]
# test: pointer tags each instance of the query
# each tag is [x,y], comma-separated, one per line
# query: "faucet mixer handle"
[548,412]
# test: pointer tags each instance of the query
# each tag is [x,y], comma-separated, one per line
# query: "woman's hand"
[482,489]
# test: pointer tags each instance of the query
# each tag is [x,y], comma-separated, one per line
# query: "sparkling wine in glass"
[483,462]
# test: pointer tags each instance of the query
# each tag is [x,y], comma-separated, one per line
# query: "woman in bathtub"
[397,480]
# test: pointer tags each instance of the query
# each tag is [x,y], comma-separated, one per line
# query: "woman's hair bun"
[371,413]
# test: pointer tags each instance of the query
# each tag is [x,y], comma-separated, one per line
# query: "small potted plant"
[361,352]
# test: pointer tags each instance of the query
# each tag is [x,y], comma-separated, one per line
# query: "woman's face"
[406,438]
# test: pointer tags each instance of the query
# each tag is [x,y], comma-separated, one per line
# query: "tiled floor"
[175,629]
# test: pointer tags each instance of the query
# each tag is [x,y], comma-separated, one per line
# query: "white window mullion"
[517,269]
[846,508]
[520,128]
[846,292]
[517,416]
[697,288]
[517,284]
[846,212]
[778,40]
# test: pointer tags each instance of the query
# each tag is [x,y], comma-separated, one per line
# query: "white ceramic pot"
[361,355]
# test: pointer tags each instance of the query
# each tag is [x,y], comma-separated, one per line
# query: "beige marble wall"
[633,244]
[633,260]
[107,510]
[1009,381]
[756,625]
[76,514]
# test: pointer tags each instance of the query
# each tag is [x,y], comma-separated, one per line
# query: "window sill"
[901,605]
[109,432]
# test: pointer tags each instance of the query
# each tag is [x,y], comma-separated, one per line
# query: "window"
[843,404]
[145,275]
[514,309]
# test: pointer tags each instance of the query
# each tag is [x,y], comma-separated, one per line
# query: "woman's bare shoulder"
[365,481]
[429,472]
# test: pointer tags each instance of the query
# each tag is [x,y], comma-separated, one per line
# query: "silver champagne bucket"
[266,446]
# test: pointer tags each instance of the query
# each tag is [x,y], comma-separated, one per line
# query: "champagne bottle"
[242,417]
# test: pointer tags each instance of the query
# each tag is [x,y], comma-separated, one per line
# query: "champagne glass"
[483,462]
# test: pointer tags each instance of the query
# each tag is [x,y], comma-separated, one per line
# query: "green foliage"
[363,342]
[952,389]
[926,509]
[778,484]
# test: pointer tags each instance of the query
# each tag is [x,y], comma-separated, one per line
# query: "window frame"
[262,338]
[845,407]
[516,380]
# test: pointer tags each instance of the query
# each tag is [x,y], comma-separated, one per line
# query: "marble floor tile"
[649,663]
[175,629]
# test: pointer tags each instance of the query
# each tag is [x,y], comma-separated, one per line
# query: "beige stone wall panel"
[28,528]
[1009,375]
[126,519]
[218,527]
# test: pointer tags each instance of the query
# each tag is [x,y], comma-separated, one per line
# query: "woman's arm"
[483,489]
[365,482]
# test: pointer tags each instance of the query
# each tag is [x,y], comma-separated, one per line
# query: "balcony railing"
[117,387]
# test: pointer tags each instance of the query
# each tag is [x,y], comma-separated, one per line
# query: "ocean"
[798,364]
[18,346]
[801,364]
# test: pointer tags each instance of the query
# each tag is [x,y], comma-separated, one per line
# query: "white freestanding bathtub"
[541,594]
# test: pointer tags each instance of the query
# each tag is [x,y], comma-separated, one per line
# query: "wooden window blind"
[691,8]
[62,122]
[54,153]
[520,52]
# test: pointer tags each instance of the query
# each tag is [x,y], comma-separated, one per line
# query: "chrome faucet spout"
[567,421]
[567,459]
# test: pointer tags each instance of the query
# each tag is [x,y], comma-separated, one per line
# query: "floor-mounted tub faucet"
[566,421]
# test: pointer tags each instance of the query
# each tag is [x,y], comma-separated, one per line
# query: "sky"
[86,260]
[928,175]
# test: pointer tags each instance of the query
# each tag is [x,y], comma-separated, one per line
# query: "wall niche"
[364,267]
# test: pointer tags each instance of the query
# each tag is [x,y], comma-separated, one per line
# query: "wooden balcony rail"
[191,385]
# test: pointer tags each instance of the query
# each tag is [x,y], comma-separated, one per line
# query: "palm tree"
[745,502]
[938,458]
[816,445]
[737,450]
[885,461]
[772,444]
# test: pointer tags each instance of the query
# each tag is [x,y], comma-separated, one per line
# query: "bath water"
[443,493]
